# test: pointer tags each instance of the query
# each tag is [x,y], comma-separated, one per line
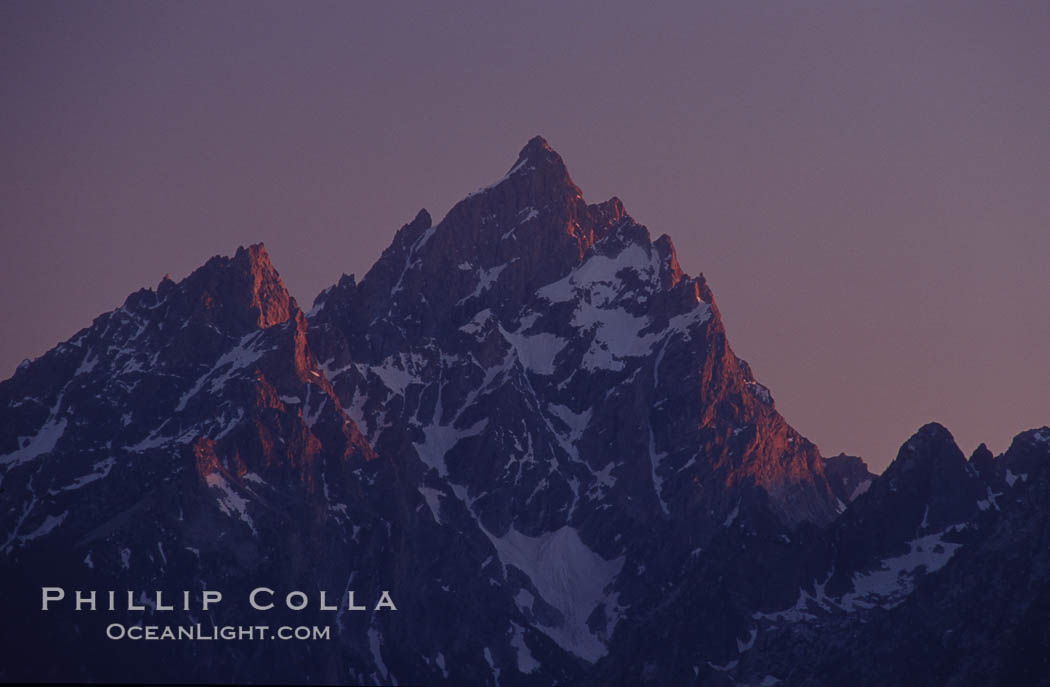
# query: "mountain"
[522,443]
[959,597]
[915,583]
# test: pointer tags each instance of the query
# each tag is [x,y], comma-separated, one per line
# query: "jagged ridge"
[525,416]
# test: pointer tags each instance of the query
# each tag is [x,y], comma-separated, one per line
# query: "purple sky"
[865,185]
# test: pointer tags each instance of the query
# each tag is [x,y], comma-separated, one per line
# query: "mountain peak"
[1029,452]
[935,430]
[255,254]
[538,150]
[984,462]
[539,171]
[423,219]
[848,476]
[930,470]
[240,293]
[268,298]
[931,444]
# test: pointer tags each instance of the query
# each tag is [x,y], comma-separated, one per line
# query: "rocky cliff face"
[848,477]
[184,441]
[526,418]
[953,590]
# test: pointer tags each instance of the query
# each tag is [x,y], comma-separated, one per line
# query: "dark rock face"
[185,440]
[848,477]
[978,618]
[525,424]
[931,577]
[928,488]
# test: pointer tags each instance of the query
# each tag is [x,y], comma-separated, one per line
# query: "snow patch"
[524,600]
[599,295]
[236,359]
[89,364]
[861,488]
[741,647]
[1011,477]
[521,166]
[569,576]
[731,518]
[431,495]
[895,578]
[486,278]
[46,527]
[526,662]
[42,442]
[530,213]
[375,642]
[654,463]
[99,470]
[492,665]
[535,351]
[230,502]
[438,440]
[397,372]
[576,423]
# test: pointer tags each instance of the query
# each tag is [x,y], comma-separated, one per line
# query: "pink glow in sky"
[865,185]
